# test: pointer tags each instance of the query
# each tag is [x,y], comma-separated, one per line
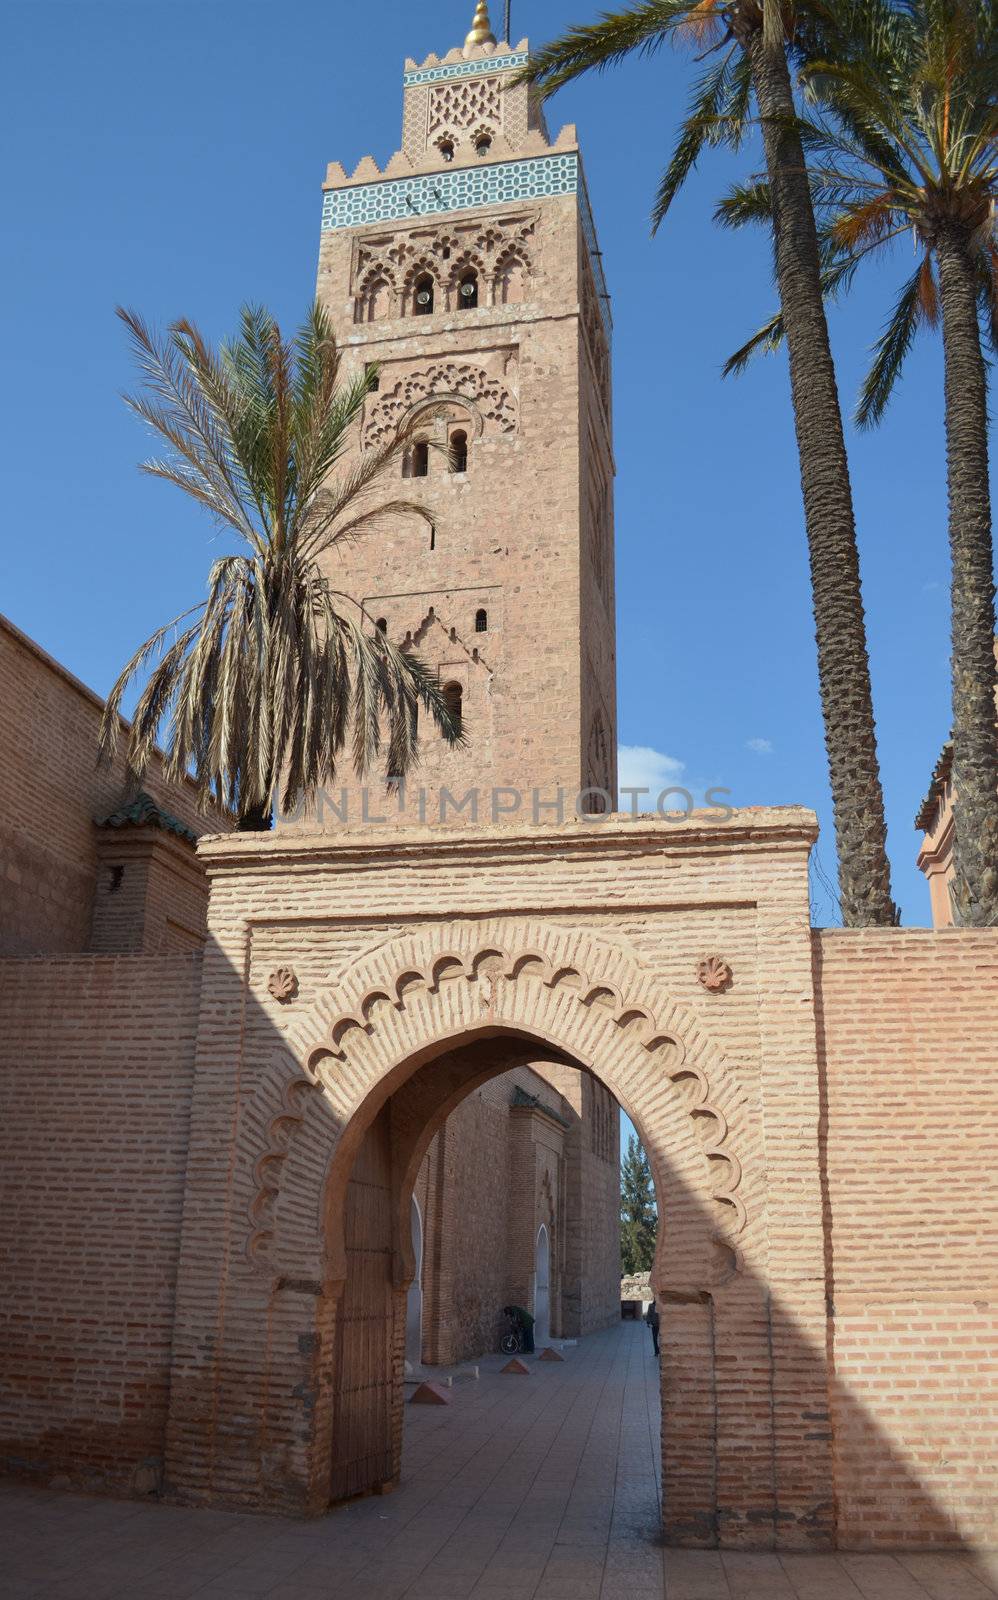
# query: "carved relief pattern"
[443,378]
[283,983]
[280,1130]
[351,1034]
[397,259]
[463,102]
[414,122]
[714,974]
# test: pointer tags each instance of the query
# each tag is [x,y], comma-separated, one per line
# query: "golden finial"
[481,27]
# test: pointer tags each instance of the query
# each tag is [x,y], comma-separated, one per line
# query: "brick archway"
[418,1021]
[414,998]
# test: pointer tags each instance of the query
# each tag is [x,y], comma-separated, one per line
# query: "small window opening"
[459,451]
[447,149]
[117,874]
[433,537]
[424,295]
[483,145]
[419,459]
[373,379]
[381,626]
[445,252]
[467,294]
[454,700]
[481,621]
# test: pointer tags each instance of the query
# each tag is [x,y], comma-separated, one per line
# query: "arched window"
[467,292]
[446,148]
[459,451]
[381,626]
[422,295]
[483,144]
[416,461]
[511,282]
[481,620]
[379,298]
[454,700]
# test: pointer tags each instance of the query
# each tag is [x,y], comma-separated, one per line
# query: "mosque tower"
[468,270]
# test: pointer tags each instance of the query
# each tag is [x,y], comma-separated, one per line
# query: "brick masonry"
[66,885]
[907,1055]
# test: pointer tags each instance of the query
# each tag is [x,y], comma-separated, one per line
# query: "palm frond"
[272,678]
[593,47]
[705,123]
[890,352]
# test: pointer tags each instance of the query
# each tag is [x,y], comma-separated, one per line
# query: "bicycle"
[511,1342]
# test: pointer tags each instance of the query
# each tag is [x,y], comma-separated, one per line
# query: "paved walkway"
[535,1488]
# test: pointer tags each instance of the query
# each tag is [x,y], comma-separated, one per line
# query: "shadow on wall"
[268,1373]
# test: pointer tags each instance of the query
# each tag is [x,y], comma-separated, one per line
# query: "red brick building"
[223,1173]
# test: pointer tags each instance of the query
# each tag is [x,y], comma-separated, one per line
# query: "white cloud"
[640,767]
[762,747]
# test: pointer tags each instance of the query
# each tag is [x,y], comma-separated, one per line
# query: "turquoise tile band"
[464,69]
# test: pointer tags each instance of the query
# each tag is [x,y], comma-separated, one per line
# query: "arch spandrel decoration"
[443,382]
[417,996]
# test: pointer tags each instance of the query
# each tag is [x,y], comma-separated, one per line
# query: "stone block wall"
[908,1052]
[96,1065]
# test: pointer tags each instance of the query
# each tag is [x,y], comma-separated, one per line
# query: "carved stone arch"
[511,275]
[424,266]
[469,260]
[442,381]
[427,408]
[369,306]
[650,1053]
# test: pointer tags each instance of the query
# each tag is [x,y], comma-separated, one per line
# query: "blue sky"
[169,153]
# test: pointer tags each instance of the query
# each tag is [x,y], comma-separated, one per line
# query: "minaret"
[468,270]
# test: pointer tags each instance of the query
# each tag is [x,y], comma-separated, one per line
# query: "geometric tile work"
[464,69]
[450,191]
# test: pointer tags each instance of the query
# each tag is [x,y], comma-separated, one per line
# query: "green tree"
[910,149]
[752,42]
[638,1213]
[274,674]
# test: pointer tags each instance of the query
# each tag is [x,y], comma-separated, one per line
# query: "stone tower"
[468,270]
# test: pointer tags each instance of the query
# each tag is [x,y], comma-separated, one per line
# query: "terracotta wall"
[489,1180]
[96,1064]
[51,789]
[908,1033]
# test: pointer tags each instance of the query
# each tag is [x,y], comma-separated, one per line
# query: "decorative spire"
[481,27]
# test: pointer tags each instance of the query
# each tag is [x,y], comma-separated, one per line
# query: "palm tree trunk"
[975,734]
[843,662]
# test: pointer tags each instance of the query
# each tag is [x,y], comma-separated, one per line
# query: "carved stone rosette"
[283,984]
[714,974]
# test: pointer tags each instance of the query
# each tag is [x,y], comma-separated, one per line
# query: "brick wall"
[908,1034]
[96,1063]
[51,789]
[490,1178]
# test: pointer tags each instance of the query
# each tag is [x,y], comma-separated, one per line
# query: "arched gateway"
[288,1365]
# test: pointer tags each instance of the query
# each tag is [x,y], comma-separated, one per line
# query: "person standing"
[651,1317]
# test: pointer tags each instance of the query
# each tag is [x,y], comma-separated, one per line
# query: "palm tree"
[908,148]
[268,679]
[751,39]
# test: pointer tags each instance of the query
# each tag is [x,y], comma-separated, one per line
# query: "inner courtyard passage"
[542,1487]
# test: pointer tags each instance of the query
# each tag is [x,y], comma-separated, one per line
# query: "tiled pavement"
[524,1488]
